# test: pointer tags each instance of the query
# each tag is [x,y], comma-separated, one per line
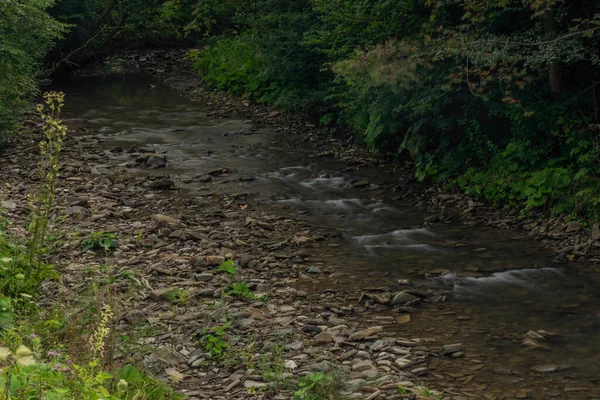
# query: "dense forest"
[499,99]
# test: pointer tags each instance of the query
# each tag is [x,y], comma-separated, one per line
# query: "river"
[485,288]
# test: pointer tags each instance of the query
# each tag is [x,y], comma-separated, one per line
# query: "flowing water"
[496,287]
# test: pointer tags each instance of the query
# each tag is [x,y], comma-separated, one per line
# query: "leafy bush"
[214,339]
[239,289]
[100,241]
[496,101]
[236,65]
[318,386]
[228,267]
[26,374]
[26,34]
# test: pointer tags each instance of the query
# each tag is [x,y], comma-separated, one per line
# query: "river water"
[495,287]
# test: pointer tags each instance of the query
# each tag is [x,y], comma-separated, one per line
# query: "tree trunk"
[554,75]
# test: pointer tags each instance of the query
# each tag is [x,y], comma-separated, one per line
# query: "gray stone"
[362,366]
[370,373]
[402,298]
[545,368]
[421,371]
[365,333]
[403,362]
[204,277]
[451,349]
[313,269]
[324,337]
[254,384]
[8,205]
[76,210]
[354,385]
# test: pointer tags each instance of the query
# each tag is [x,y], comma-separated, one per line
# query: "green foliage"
[26,34]
[26,375]
[318,386]
[239,289]
[236,65]
[22,268]
[18,278]
[214,339]
[6,313]
[228,267]
[100,241]
[487,98]
[178,296]
[48,171]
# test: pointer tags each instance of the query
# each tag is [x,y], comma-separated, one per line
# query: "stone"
[246,259]
[286,309]
[374,395]
[178,234]
[573,226]
[360,184]
[324,337]
[165,221]
[248,384]
[402,298]
[370,373]
[421,371]
[161,184]
[291,365]
[313,269]
[311,329]
[157,161]
[152,159]
[365,333]
[381,343]
[451,349]
[362,366]
[214,261]
[403,362]
[403,318]
[354,385]
[76,210]
[204,277]
[295,346]
[232,385]
[544,368]
[8,205]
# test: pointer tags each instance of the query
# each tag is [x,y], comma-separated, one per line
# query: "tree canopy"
[500,98]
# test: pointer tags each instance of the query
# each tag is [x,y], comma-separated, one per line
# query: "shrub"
[26,33]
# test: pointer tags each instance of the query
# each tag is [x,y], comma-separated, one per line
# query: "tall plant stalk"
[48,172]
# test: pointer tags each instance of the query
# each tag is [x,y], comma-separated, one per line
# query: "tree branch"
[534,44]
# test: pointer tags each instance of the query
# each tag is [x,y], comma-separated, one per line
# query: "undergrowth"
[64,352]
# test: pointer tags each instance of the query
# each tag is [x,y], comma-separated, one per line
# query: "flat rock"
[402,298]
[254,384]
[165,221]
[354,385]
[76,210]
[365,333]
[451,349]
[324,337]
[545,368]
[362,366]
[214,260]
[360,184]
[8,205]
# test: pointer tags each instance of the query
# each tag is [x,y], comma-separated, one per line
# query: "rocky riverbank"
[173,293]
